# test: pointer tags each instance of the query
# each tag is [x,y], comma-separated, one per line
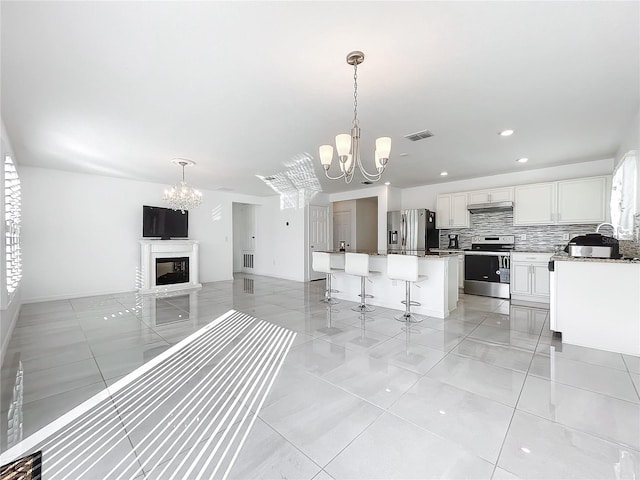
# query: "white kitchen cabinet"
[490,196]
[581,200]
[534,204]
[451,210]
[460,271]
[530,281]
[597,304]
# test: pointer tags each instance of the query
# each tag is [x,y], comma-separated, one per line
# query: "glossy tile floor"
[486,393]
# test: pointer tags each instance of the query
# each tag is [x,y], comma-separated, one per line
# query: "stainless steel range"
[487,266]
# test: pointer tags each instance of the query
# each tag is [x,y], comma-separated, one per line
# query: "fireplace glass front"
[172,270]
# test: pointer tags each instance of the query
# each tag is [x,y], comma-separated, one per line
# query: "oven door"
[486,273]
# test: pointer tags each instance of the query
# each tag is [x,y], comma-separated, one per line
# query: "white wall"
[425,196]
[10,309]
[281,236]
[81,232]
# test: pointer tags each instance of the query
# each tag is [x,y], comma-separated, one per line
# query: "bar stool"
[321,262]
[405,268]
[358,264]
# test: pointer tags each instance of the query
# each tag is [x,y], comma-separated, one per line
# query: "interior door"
[318,235]
[342,230]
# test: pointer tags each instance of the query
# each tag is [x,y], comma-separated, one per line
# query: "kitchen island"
[437,292]
[595,302]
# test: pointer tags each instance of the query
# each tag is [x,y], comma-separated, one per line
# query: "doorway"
[355,223]
[318,236]
[244,237]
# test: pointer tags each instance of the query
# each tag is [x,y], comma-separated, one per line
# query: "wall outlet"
[523,237]
[565,236]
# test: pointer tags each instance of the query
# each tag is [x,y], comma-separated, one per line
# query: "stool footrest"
[366,295]
[415,304]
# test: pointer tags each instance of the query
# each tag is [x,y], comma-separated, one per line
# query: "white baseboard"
[281,277]
[51,298]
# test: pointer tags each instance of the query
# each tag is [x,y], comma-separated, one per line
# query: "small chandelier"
[348,146]
[182,196]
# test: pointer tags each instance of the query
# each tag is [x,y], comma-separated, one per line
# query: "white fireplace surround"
[154,249]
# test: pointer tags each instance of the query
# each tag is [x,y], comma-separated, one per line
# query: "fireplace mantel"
[151,250]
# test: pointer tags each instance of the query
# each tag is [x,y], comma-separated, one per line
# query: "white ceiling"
[241,88]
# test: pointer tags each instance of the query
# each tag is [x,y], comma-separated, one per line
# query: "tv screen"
[164,223]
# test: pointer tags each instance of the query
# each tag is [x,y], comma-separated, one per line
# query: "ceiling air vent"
[366,182]
[414,137]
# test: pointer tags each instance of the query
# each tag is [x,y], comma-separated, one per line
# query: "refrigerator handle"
[404,230]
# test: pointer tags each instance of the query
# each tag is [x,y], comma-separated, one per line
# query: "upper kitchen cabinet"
[581,200]
[534,204]
[490,196]
[451,211]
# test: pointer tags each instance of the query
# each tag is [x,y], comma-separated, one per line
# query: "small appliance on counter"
[453,241]
[593,245]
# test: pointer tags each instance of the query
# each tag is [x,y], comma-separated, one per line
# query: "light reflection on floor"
[205,392]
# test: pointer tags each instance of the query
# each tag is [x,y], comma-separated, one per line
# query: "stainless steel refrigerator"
[412,232]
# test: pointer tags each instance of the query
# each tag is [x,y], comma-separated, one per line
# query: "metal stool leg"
[363,307]
[407,316]
[327,293]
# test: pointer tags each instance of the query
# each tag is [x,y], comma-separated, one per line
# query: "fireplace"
[168,265]
[172,270]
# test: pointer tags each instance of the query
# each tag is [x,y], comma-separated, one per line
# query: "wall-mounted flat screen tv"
[164,223]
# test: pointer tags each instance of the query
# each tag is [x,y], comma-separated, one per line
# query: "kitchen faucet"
[615,230]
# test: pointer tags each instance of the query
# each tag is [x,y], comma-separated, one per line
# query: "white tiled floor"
[485,393]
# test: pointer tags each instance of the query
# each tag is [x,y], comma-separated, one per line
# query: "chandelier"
[348,146]
[182,196]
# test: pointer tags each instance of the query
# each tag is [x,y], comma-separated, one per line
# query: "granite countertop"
[534,250]
[564,257]
[437,254]
[447,250]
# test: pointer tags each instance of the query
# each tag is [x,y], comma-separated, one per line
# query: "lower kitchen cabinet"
[460,271]
[596,304]
[530,281]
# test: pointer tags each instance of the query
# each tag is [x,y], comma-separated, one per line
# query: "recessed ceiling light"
[387,183]
[522,160]
[506,133]
[443,174]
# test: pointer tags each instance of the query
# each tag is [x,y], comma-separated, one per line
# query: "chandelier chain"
[355,95]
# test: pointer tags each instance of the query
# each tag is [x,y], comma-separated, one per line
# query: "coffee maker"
[453,241]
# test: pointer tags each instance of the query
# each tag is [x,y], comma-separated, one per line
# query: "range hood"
[490,207]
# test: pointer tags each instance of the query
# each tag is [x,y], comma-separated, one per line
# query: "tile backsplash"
[539,237]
